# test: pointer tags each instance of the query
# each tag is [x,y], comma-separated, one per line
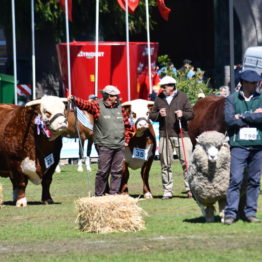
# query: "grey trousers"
[166,150]
[109,161]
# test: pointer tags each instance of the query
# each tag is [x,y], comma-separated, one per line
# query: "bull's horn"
[127,103]
[32,103]
[150,103]
[64,99]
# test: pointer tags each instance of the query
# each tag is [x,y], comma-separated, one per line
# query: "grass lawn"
[175,230]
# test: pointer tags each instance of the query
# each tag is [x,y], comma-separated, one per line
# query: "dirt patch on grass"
[111,247]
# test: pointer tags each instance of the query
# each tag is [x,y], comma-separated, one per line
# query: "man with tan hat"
[171,107]
[112,132]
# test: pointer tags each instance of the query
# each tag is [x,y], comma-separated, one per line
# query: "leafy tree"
[50,30]
[190,86]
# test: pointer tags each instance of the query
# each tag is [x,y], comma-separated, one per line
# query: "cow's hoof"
[58,169]
[21,202]
[88,169]
[148,195]
[80,169]
[48,202]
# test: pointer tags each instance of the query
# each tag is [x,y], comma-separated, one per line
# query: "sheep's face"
[212,153]
[212,141]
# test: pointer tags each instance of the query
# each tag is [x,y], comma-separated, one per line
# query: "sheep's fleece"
[209,181]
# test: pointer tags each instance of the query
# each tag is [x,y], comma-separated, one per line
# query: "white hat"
[111,90]
[167,80]
[201,95]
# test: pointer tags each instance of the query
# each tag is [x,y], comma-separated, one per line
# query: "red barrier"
[112,67]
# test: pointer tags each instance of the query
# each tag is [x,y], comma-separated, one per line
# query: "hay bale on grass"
[1,195]
[106,214]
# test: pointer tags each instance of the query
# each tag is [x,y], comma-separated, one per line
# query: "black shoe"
[252,220]
[166,197]
[229,220]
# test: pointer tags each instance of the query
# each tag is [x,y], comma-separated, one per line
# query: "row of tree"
[50,30]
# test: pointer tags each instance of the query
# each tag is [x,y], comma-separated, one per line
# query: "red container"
[112,66]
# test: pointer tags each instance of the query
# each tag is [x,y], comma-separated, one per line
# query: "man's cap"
[111,90]
[167,80]
[187,61]
[250,76]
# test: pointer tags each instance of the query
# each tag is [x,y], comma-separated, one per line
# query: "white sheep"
[209,172]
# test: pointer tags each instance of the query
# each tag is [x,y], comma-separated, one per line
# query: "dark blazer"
[170,123]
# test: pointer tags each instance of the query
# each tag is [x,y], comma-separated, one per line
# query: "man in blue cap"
[243,116]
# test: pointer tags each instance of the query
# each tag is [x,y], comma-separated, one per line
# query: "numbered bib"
[140,153]
[49,160]
[248,133]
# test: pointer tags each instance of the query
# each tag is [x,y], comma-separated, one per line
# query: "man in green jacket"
[243,116]
[171,107]
[112,133]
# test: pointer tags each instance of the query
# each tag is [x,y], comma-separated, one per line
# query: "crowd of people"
[172,109]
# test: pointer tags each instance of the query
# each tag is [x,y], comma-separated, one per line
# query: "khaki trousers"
[166,150]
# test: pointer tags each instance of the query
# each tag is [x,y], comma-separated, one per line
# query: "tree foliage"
[190,86]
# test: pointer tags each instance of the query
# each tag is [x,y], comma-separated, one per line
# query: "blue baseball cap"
[250,76]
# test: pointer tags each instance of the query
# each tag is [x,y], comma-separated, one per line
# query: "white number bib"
[140,153]
[49,160]
[248,133]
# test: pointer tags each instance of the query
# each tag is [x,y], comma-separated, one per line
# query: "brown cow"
[209,116]
[30,144]
[141,149]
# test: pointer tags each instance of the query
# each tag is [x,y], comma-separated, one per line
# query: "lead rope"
[81,145]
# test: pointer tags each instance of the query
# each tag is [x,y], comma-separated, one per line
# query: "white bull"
[140,151]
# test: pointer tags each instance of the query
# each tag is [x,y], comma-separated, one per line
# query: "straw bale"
[1,195]
[106,214]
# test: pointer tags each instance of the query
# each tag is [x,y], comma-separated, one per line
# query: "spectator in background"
[166,70]
[237,71]
[188,68]
[186,65]
[223,91]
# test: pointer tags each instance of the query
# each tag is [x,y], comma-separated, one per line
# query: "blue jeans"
[242,158]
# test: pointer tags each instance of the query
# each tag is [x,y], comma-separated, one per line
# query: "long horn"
[32,103]
[63,99]
[127,103]
[150,103]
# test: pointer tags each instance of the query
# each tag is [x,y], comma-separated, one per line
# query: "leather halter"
[50,121]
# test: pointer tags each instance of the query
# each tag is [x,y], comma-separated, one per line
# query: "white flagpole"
[96,48]
[14,51]
[128,54]
[68,49]
[33,49]
[148,47]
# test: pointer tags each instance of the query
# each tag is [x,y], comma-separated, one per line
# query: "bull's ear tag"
[49,160]
[140,153]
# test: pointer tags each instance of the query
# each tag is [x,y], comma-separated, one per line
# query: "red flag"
[62,4]
[163,9]
[132,5]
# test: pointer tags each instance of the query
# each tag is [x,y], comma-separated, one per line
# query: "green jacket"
[109,128]
[236,104]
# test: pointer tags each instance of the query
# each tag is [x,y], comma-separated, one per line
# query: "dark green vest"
[109,128]
[242,106]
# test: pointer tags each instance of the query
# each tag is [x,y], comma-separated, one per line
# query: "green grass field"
[175,230]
